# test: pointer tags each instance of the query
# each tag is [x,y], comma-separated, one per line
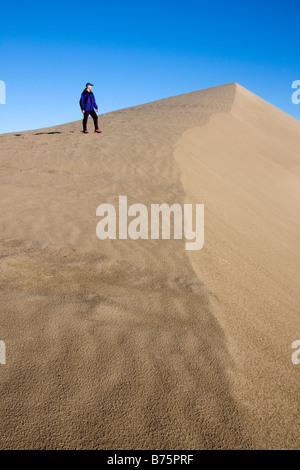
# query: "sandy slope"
[141,344]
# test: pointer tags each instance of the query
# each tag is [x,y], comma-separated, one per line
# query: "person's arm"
[95,105]
[81,102]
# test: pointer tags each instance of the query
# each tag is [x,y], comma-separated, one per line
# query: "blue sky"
[136,51]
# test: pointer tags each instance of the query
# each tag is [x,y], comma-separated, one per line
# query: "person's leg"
[95,118]
[85,118]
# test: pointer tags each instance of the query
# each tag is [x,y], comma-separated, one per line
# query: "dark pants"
[85,118]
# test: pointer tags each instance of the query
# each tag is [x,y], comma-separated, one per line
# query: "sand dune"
[121,344]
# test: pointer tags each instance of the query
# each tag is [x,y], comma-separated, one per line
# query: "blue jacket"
[87,101]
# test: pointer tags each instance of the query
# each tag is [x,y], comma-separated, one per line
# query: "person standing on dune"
[88,106]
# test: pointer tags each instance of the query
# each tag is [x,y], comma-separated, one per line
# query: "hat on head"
[89,84]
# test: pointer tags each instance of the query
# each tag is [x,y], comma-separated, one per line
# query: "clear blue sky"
[140,51]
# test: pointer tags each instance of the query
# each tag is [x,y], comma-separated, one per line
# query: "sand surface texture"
[122,344]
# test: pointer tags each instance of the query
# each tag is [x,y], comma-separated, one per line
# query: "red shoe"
[85,132]
[98,131]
